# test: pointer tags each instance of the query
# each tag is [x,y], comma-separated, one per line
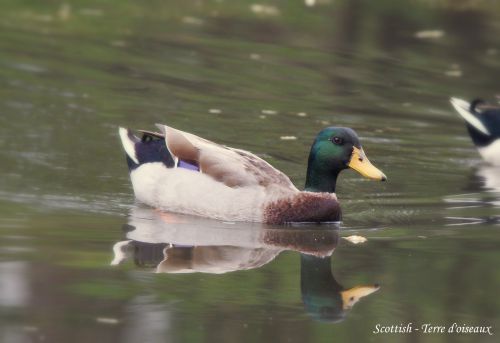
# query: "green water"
[244,75]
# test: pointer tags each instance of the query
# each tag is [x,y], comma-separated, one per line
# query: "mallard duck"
[483,124]
[179,172]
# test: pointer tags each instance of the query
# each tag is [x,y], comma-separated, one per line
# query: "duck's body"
[483,124]
[191,192]
[180,172]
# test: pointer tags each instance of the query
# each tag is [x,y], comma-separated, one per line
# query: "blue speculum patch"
[188,165]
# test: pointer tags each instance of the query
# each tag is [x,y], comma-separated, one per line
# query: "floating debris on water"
[270,112]
[355,239]
[64,12]
[454,71]
[262,116]
[264,9]
[302,114]
[288,138]
[429,34]
[107,320]
[310,3]
[393,129]
[214,111]
[192,21]
[255,57]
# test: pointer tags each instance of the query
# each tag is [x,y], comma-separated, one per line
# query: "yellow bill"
[360,163]
[351,296]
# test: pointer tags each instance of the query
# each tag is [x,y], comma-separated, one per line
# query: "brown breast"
[303,207]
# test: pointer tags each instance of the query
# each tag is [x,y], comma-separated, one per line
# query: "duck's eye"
[337,140]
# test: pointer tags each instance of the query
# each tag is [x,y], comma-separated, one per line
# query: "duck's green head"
[333,150]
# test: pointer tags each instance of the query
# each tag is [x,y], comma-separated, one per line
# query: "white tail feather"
[462,108]
[128,144]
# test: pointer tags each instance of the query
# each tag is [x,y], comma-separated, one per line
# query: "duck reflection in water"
[490,177]
[324,298]
[479,201]
[182,244]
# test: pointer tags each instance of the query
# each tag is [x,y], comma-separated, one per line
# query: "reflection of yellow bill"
[360,163]
[352,295]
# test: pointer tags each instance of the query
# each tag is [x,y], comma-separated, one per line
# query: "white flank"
[491,153]
[185,191]
[128,144]
[462,108]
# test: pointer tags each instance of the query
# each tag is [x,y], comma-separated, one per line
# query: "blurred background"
[263,76]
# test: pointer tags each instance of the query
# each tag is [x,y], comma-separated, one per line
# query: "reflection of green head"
[324,298]
[320,291]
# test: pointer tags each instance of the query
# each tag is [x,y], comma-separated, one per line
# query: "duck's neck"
[316,274]
[314,267]
[320,179]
